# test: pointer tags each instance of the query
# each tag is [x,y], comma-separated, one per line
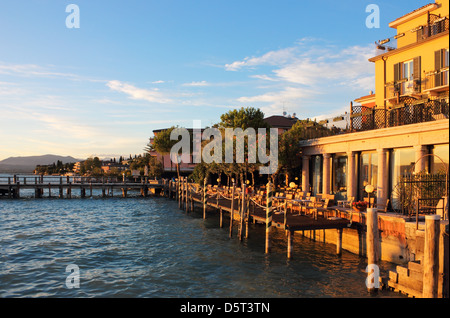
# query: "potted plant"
[360,206]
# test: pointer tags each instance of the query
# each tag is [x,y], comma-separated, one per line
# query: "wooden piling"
[204,198]
[187,194]
[431,256]
[372,243]
[241,219]
[232,209]
[220,218]
[290,238]
[269,196]
[339,242]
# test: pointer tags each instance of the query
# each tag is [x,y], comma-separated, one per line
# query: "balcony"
[436,81]
[402,88]
[438,26]
[410,111]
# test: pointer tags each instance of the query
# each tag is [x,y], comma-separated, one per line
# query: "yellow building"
[397,131]
[402,127]
[417,68]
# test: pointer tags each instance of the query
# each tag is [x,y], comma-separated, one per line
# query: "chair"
[384,207]
[310,207]
[323,209]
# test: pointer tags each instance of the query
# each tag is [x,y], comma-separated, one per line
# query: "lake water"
[147,247]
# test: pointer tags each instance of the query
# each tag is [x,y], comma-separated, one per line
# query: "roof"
[365,98]
[278,121]
[413,14]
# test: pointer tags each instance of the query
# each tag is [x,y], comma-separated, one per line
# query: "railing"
[364,118]
[420,193]
[435,79]
[435,28]
[38,180]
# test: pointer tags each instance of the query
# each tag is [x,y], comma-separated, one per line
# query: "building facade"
[401,128]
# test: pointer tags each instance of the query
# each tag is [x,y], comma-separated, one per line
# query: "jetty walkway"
[295,211]
[62,187]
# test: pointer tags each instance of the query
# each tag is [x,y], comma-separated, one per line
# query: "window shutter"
[437,67]
[416,73]
[397,75]
[397,72]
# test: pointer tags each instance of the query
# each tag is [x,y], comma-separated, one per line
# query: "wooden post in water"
[241,219]
[69,190]
[290,238]
[178,192]
[269,190]
[431,256]
[187,194]
[49,190]
[204,198]
[247,218]
[339,242]
[232,209]
[182,191]
[221,218]
[372,244]
[61,192]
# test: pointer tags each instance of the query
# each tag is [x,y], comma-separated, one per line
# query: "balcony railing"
[435,79]
[402,87]
[419,111]
[426,31]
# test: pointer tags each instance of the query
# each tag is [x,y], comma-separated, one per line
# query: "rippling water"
[147,247]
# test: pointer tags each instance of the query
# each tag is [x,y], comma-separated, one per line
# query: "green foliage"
[55,168]
[243,118]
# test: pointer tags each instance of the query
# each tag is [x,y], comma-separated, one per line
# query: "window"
[316,175]
[401,161]
[407,75]
[340,177]
[439,165]
[368,172]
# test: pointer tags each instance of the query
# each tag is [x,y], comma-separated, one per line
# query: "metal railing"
[419,111]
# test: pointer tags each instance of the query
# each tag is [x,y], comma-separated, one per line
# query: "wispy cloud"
[197,84]
[308,70]
[33,70]
[154,95]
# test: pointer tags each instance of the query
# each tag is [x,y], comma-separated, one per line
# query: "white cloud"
[309,70]
[197,84]
[271,58]
[138,93]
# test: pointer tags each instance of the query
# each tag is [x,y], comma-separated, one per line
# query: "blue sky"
[135,66]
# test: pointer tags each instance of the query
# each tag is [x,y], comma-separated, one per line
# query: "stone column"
[326,185]
[422,163]
[351,174]
[305,173]
[383,177]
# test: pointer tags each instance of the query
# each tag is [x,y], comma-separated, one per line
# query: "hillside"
[27,164]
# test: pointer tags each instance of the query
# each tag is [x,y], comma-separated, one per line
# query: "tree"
[163,144]
[244,118]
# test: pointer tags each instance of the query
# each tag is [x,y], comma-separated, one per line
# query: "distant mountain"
[27,164]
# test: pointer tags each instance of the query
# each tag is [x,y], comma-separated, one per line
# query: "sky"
[130,67]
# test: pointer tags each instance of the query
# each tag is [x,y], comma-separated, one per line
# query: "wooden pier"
[61,187]
[245,208]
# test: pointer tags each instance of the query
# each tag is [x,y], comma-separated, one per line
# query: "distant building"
[282,123]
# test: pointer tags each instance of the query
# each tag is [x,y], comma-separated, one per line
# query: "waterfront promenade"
[391,237]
